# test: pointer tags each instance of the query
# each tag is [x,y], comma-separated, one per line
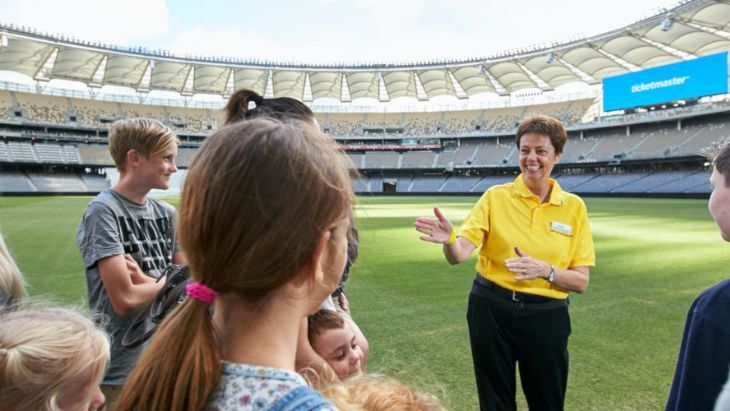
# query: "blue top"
[704,357]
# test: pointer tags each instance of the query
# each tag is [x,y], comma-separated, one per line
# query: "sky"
[329,31]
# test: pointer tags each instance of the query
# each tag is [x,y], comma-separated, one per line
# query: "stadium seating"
[22,152]
[418,159]
[95,155]
[5,154]
[427,184]
[460,184]
[381,159]
[15,182]
[478,145]
[96,113]
[42,108]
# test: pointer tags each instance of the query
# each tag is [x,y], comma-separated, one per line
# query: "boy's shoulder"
[161,205]
[109,198]
[714,303]
[103,200]
[719,294]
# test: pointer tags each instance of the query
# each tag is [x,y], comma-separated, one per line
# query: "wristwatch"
[551,277]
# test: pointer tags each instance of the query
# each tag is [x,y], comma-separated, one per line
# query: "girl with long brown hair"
[263,222]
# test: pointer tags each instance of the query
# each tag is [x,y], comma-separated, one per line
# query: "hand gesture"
[436,231]
[526,267]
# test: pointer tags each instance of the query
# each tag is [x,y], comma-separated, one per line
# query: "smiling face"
[337,346]
[537,159]
[719,204]
[158,167]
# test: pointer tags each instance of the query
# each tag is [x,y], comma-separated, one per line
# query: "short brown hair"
[546,126]
[721,161]
[321,321]
[145,135]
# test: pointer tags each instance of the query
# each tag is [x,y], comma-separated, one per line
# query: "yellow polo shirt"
[509,215]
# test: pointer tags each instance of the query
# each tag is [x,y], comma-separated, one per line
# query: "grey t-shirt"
[113,225]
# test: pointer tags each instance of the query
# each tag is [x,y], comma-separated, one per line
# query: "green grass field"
[654,256]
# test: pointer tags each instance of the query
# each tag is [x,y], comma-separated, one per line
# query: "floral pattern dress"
[254,388]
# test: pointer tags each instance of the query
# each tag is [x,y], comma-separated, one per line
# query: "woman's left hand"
[526,267]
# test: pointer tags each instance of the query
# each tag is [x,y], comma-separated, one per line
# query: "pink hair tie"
[201,292]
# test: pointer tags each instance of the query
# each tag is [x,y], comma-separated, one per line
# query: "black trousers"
[503,333]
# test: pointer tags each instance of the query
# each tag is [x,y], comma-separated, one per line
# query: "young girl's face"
[337,346]
[82,393]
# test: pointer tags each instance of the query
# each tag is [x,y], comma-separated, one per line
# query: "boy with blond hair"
[127,239]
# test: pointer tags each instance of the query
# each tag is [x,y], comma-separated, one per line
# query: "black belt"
[515,296]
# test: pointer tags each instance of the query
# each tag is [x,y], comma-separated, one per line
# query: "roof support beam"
[578,72]
[46,68]
[144,82]
[501,90]
[187,89]
[460,93]
[711,30]
[142,95]
[539,83]
[98,77]
[420,91]
[307,92]
[229,85]
[345,96]
[41,85]
[616,59]
[669,49]
[382,90]
[269,90]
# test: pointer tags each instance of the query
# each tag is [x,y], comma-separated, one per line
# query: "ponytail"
[237,107]
[181,366]
[282,108]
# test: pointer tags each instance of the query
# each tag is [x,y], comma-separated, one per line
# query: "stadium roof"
[691,29]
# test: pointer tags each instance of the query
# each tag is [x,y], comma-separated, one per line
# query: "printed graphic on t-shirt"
[147,240]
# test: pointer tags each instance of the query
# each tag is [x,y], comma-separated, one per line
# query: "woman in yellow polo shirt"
[535,247]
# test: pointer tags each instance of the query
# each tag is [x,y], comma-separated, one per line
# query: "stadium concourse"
[53,140]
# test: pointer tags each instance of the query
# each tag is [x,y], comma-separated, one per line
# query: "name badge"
[561,228]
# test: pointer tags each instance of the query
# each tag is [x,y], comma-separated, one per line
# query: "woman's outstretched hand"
[435,231]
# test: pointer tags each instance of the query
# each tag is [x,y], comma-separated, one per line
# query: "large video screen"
[703,76]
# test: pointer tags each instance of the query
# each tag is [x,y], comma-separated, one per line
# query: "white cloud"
[114,22]
[225,42]
[362,31]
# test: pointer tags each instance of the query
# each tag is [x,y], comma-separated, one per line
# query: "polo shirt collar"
[557,195]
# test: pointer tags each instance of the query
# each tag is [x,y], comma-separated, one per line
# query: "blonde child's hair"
[146,136]
[41,351]
[377,393]
[12,283]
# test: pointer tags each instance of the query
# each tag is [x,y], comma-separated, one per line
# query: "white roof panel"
[699,27]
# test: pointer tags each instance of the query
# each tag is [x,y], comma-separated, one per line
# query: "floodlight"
[3,41]
[550,57]
[666,24]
